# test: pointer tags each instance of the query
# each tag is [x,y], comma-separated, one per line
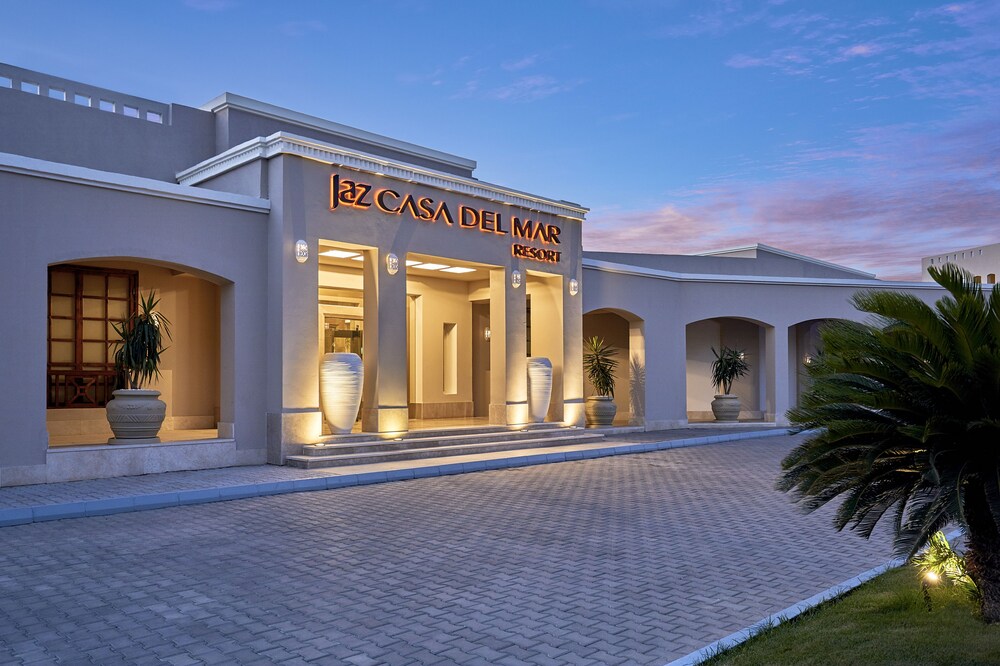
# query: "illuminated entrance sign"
[352,194]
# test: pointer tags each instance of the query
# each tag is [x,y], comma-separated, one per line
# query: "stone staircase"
[365,448]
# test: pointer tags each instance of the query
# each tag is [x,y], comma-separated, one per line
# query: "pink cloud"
[900,194]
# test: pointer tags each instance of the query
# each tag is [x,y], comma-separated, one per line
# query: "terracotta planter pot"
[539,387]
[600,410]
[135,414]
[341,377]
[726,408]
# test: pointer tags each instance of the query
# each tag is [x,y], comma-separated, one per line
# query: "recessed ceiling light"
[431,267]
[459,269]
[339,254]
[360,257]
[412,262]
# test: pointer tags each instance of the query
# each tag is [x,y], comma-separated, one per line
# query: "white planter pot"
[539,387]
[341,377]
[600,410]
[726,408]
[136,414]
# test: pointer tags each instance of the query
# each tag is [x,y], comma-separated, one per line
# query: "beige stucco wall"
[299,190]
[667,305]
[50,220]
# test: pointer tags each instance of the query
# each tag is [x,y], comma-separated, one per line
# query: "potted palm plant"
[729,365]
[137,413]
[599,364]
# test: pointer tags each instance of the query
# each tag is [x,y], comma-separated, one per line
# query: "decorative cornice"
[671,276]
[282,143]
[30,166]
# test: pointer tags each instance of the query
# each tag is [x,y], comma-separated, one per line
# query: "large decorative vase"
[539,387]
[340,379]
[726,408]
[600,410]
[135,414]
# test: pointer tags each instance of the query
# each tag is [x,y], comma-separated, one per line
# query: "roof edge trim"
[283,143]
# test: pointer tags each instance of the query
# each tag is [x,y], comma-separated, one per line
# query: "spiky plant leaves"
[729,365]
[903,416]
[140,344]
[600,364]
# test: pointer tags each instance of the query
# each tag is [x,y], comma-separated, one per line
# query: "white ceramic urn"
[341,377]
[539,387]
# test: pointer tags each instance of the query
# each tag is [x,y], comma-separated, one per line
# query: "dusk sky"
[860,132]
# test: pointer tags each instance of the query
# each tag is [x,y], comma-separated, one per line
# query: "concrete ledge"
[109,506]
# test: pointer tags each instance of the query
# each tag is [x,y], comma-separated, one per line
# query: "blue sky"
[864,133]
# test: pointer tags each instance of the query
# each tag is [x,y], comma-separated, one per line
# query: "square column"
[779,364]
[508,349]
[637,372]
[384,404]
[572,342]
[666,362]
[547,320]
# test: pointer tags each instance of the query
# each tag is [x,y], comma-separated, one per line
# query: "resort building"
[272,237]
[983,262]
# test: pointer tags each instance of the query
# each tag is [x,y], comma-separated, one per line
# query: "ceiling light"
[458,269]
[360,257]
[431,267]
[412,262]
[339,254]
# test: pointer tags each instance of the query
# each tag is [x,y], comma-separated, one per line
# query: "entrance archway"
[85,298]
[625,331]
[745,335]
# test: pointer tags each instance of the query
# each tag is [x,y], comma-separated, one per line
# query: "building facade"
[982,262]
[272,237]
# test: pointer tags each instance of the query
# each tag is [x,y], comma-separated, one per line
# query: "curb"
[775,619]
[128,504]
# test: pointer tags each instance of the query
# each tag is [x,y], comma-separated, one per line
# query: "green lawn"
[884,621]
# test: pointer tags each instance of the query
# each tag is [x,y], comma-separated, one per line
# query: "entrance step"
[436,445]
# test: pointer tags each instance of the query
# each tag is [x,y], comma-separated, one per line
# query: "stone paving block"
[16,516]
[239,492]
[199,496]
[399,474]
[155,501]
[106,507]
[632,559]
[59,511]
[310,484]
[371,477]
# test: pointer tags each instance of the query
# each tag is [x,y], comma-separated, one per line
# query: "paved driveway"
[631,559]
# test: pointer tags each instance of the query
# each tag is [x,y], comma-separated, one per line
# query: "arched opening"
[625,332]
[804,344]
[745,335]
[85,298]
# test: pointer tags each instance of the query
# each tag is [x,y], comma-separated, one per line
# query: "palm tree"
[903,419]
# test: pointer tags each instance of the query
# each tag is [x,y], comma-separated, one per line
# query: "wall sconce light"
[391,263]
[515,278]
[743,355]
[487,333]
[301,251]
[574,287]
[808,360]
